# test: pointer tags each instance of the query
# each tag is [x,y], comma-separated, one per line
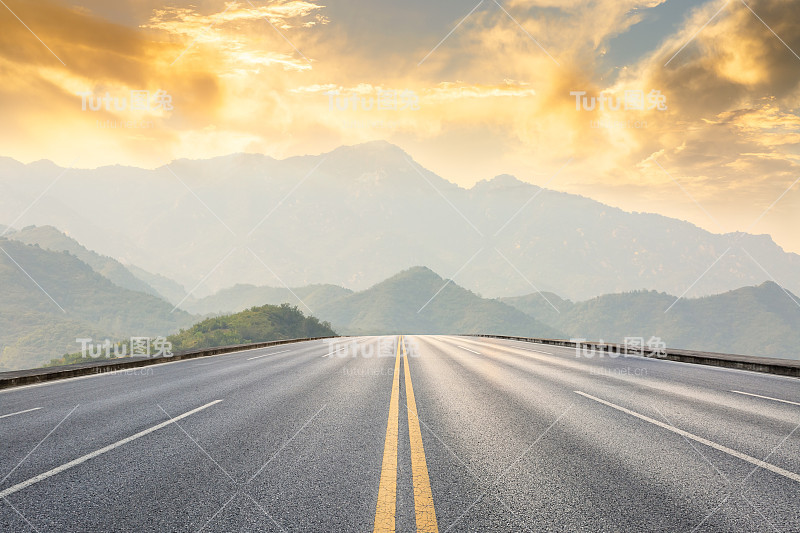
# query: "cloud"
[493,97]
[735,88]
[188,22]
[237,32]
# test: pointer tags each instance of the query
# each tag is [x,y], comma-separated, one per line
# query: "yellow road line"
[387,490]
[423,497]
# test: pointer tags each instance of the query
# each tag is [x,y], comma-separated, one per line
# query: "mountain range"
[762,320]
[52,298]
[416,300]
[50,238]
[359,214]
[759,320]
[119,251]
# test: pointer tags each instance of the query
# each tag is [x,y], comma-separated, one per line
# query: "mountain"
[359,214]
[170,290]
[259,324]
[545,306]
[404,304]
[126,276]
[50,299]
[49,238]
[762,320]
[240,297]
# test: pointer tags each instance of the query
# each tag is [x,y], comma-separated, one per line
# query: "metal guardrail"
[17,378]
[768,365]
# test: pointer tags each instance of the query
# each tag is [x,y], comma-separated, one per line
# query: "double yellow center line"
[387,490]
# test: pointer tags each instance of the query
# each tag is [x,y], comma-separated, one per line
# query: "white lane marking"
[750,394]
[243,351]
[535,351]
[19,486]
[266,354]
[20,412]
[335,351]
[744,457]
[513,347]
[38,444]
[467,349]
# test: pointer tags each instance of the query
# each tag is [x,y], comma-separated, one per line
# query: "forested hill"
[257,324]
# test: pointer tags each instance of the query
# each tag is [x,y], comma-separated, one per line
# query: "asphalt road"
[455,434]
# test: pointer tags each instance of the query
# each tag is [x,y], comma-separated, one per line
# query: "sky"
[690,110]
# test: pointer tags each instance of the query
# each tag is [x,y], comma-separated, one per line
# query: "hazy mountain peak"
[44,165]
[375,154]
[772,290]
[500,182]
[404,303]
[45,229]
[241,158]
[380,164]
[759,239]
[418,273]
[10,164]
[48,237]
[379,147]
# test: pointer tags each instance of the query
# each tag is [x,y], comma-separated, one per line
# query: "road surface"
[436,433]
